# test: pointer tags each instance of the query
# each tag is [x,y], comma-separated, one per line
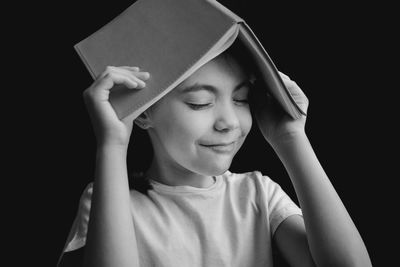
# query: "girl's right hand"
[109,129]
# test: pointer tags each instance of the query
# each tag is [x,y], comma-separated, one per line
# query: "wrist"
[112,142]
[111,147]
[289,139]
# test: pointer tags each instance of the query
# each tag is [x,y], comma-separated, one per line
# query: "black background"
[339,54]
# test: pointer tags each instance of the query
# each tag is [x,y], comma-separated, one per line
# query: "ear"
[143,121]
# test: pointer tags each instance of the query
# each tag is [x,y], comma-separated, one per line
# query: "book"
[171,39]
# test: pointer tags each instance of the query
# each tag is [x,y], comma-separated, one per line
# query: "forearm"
[332,236]
[111,238]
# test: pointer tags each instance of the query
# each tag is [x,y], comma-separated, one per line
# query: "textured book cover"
[171,39]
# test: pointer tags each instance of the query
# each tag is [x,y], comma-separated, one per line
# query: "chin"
[215,169]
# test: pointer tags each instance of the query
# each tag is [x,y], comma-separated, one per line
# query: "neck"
[177,175]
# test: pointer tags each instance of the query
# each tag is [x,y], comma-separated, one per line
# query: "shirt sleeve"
[77,235]
[277,204]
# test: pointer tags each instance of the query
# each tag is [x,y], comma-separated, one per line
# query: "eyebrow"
[210,88]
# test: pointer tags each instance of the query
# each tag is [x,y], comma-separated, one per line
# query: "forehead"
[222,71]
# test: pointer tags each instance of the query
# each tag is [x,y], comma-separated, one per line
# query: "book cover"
[171,39]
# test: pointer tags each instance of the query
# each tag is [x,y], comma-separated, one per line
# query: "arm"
[111,237]
[333,239]
[327,236]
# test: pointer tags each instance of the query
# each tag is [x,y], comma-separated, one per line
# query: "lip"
[224,148]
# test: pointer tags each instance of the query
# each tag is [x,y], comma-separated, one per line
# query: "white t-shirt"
[230,223]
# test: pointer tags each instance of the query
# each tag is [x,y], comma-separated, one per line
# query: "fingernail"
[146,75]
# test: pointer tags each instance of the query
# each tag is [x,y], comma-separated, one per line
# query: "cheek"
[246,121]
[182,128]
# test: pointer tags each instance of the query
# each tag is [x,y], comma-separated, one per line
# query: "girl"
[195,211]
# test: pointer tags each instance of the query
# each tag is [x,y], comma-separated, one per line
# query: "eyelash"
[201,106]
[197,106]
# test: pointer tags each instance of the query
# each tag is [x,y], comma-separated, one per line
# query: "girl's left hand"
[274,123]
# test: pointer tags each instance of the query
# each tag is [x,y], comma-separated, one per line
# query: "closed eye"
[202,106]
[198,106]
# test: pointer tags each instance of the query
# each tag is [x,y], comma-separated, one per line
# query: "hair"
[241,55]
[141,142]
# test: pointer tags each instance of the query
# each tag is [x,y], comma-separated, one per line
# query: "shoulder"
[254,178]
[265,188]
[253,182]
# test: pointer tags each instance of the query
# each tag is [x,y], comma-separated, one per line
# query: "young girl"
[195,211]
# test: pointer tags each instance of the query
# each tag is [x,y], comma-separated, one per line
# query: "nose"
[226,118]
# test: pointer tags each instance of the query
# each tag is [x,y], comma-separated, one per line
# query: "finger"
[117,78]
[136,77]
[286,80]
[299,96]
[294,88]
[142,75]
[136,82]
[284,76]
[135,71]
[131,68]
[126,69]
[140,83]
[106,71]
[133,78]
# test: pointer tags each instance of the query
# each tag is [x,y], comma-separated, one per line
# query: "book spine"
[225,10]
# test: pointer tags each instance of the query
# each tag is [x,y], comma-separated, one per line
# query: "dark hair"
[140,154]
[241,54]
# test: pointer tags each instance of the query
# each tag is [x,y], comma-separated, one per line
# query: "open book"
[171,39]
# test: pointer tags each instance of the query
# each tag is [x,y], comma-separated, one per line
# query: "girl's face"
[200,125]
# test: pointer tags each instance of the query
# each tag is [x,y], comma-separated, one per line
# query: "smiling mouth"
[221,148]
